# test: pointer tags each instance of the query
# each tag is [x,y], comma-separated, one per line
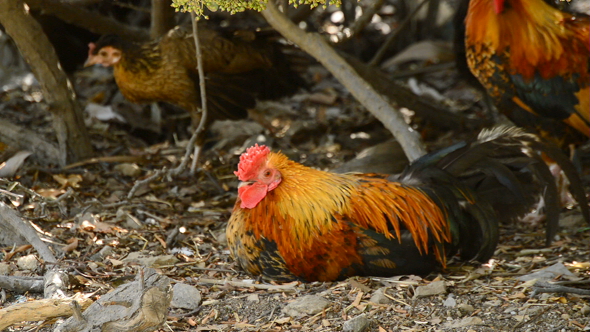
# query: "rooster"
[239,68]
[528,53]
[292,222]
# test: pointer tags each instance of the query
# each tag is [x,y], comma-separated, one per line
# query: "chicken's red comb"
[250,160]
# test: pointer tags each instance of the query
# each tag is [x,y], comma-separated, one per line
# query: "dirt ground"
[85,214]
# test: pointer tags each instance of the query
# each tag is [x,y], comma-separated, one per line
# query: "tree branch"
[84,18]
[315,45]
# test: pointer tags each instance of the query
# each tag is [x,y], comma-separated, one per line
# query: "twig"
[358,25]
[191,145]
[149,179]
[391,38]
[290,287]
[10,221]
[545,287]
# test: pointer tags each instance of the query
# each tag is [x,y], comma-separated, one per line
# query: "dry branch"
[24,139]
[84,18]
[21,285]
[141,305]
[39,310]
[316,46]
[11,222]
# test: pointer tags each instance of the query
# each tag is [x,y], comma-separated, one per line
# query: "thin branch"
[357,26]
[87,19]
[191,145]
[378,105]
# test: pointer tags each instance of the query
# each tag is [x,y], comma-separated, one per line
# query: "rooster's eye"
[266,173]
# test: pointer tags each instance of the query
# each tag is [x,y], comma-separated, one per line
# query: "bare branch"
[315,45]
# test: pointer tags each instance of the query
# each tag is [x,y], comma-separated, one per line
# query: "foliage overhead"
[235,6]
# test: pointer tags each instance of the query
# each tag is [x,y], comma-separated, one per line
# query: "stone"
[185,297]
[379,297]
[467,321]
[357,324]
[307,305]
[5,269]
[28,262]
[150,261]
[433,288]
[465,309]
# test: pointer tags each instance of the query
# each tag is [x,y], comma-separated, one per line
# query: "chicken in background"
[530,54]
[292,222]
[239,68]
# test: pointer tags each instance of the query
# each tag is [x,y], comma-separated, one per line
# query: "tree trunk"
[162,18]
[72,136]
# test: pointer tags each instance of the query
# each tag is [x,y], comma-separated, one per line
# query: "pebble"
[468,321]
[433,288]
[379,297]
[357,324]
[253,298]
[185,297]
[28,262]
[127,169]
[465,309]
[585,310]
[150,261]
[307,305]
[450,301]
[5,269]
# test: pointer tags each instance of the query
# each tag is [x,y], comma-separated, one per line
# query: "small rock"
[127,169]
[185,297]
[450,301]
[468,321]
[150,261]
[357,324]
[379,297]
[465,309]
[253,298]
[307,305]
[585,310]
[28,262]
[433,288]
[5,269]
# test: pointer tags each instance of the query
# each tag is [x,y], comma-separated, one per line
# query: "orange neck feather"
[307,203]
[538,35]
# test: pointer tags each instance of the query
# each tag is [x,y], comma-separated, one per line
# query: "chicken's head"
[256,175]
[106,51]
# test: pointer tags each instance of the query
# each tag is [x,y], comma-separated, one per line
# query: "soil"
[93,226]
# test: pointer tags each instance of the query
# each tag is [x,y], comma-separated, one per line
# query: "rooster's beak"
[245,183]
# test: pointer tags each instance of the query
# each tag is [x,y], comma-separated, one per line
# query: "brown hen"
[239,69]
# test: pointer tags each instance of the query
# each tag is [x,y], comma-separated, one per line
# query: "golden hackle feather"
[538,36]
[307,202]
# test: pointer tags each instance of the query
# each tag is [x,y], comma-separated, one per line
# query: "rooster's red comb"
[250,160]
